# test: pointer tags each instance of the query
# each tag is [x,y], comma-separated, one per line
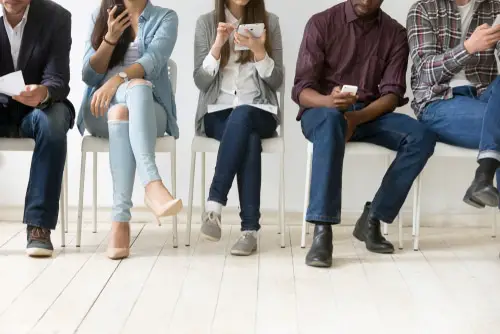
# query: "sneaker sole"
[319,264]
[209,237]
[242,253]
[39,252]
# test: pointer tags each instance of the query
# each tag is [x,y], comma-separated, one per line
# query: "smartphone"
[497,21]
[255,29]
[349,89]
[119,9]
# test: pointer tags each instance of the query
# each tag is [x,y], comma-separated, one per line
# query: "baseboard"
[483,218]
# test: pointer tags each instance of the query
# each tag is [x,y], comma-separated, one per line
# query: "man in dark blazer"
[35,38]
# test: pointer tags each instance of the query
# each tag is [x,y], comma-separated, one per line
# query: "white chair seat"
[360,149]
[101,145]
[445,150]
[28,145]
[210,145]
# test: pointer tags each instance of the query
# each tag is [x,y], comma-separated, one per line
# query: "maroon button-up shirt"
[339,49]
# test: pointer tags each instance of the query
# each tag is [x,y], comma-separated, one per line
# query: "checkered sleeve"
[434,68]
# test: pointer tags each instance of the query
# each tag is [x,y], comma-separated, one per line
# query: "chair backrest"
[281,101]
[172,74]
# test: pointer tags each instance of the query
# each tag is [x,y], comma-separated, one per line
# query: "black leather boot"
[367,229]
[320,254]
[482,192]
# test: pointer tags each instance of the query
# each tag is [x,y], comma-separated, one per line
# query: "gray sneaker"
[39,244]
[246,244]
[210,226]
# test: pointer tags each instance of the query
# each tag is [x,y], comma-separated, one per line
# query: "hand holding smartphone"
[349,89]
[256,30]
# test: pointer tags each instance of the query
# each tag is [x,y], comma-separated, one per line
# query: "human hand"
[255,44]
[340,100]
[102,97]
[483,38]
[224,30]
[32,96]
[116,26]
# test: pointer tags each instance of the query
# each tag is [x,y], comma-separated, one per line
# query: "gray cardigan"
[209,85]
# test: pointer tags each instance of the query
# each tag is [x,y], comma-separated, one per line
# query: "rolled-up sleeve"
[156,57]
[310,59]
[265,67]
[394,78]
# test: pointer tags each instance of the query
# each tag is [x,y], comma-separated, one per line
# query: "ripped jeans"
[132,139]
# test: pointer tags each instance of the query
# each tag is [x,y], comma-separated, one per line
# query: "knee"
[422,140]
[327,120]
[118,113]
[139,83]
[241,115]
[53,123]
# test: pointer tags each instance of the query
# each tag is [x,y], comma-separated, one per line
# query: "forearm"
[99,61]
[379,107]
[135,71]
[309,98]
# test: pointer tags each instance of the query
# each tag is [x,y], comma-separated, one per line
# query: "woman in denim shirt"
[129,100]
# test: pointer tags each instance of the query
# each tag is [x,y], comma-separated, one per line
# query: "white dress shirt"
[15,34]
[238,85]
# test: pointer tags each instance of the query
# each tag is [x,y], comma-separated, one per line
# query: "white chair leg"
[80,200]
[400,230]
[94,194]
[62,216]
[385,226]
[66,195]
[190,199]
[305,225]
[282,200]
[416,213]
[494,223]
[173,176]
[203,194]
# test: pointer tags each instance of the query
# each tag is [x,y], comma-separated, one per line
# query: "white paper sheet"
[12,84]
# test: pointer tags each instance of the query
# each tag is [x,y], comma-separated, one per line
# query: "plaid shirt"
[438,54]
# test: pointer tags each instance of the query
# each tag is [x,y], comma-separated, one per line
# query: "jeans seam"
[328,219]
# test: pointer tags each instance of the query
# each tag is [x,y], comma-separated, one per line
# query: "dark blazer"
[43,58]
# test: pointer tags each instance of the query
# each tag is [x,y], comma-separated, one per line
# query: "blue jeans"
[240,132]
[48,128]
[131,142]
[326,127]
[468,120]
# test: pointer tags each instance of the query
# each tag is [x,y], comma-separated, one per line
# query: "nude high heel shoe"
[119,253]
[170,208]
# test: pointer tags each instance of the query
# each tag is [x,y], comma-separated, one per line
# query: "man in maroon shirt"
[356,43]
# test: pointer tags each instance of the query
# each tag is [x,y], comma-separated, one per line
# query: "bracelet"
[108,42]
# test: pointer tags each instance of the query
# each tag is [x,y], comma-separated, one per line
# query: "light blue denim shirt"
[156,36]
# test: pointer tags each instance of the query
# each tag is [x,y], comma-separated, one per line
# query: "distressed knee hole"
[118,113]
[139,82]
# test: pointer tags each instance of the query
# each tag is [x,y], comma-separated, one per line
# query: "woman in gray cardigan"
[237,106]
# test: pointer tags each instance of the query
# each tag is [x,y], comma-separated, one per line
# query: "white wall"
[362,175]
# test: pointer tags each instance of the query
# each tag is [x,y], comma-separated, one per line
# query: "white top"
[131,57]
[15,34]
[238,85]
[466,13]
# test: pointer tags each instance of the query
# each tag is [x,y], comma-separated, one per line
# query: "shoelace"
[39,233]
[212,219]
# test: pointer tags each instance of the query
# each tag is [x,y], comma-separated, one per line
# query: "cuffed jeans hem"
[121,218]
[322,219]
[489,154]
[40,224]
[148,180]
[216,200]
[250,227]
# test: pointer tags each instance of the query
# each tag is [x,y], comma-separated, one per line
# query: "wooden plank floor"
[451,286]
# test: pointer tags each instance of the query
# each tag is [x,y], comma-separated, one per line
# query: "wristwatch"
[124,76]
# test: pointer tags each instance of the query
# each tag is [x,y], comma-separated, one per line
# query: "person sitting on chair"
[40,49]
[129,100]
[238,106]
[356,43]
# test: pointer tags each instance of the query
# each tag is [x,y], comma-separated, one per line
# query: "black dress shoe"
[481,192]
[320,254]
[367,229]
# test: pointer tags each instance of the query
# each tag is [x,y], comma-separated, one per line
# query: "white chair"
[274,145]
[101,145]
[448,151]
[354,149]
[28,145]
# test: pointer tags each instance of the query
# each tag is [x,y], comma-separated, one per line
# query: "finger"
[124,27]
[104,107]
[112,12]
[122,15]
[483,26]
